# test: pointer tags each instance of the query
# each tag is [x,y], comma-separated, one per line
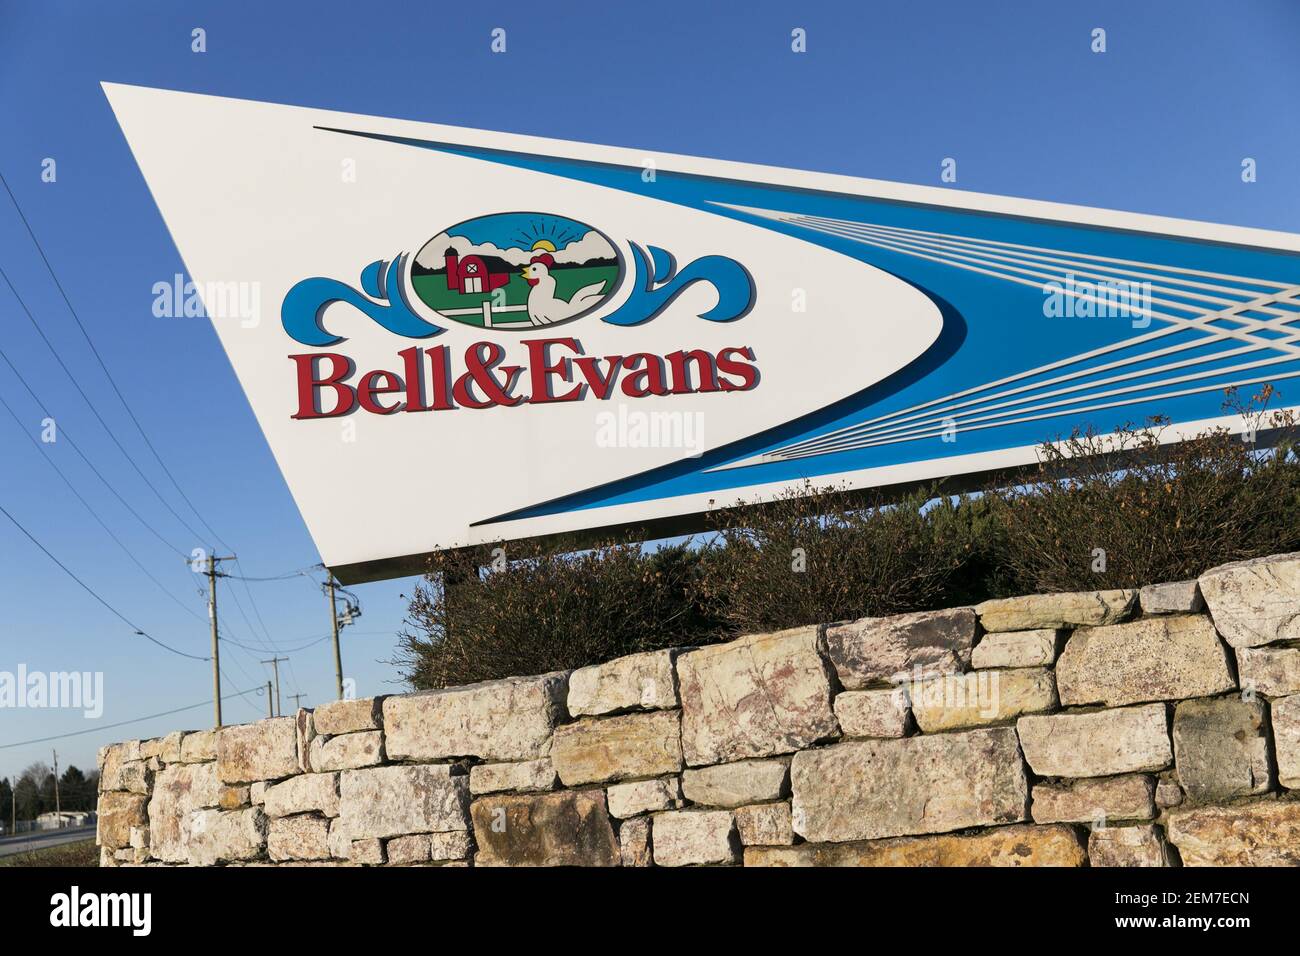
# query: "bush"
[1127,511]
[544,611]
[815,554]
[1099,513]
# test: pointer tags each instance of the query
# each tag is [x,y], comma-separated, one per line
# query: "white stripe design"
[1218,309]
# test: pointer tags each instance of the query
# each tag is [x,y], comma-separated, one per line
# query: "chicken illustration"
[544,306]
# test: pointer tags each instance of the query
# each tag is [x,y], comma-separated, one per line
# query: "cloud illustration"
[591,246]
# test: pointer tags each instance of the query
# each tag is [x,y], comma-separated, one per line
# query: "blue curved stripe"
[1005,327]
[304,306]
[733,283]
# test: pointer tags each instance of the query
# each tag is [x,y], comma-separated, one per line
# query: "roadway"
[40,839]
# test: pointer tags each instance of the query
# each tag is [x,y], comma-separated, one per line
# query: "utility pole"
[275,668]
[58,806]
[213,574]
[270,710]
[297,698]
[334,624]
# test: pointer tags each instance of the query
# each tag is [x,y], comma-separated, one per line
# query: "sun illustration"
[516,270]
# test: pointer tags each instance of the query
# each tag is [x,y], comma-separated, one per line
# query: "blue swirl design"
[734,285]
[305,304]
[656,283]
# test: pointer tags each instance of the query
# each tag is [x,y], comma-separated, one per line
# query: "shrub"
[1099,512]
[543,611]
[1123,511]
[815,554]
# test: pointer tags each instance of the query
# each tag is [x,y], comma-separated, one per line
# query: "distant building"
[64,820]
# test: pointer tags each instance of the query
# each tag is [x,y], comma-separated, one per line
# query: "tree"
[74,790]
[48,797]
[28,798]
[30,790]
[36,772]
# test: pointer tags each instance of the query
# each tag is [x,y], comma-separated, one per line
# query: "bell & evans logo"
[514,272]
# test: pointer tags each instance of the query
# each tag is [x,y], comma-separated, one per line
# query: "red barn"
[470,275]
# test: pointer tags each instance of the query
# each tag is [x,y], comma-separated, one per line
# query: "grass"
[83,853]
[433,291]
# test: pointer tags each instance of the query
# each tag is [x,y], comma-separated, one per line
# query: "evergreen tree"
[74,790]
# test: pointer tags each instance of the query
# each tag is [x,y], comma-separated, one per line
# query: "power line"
[111,381]
[275,667]
[91,591]
[278,650]
[300,573]
[301,647]
[75,447]
[91,405]
[239,604]
[235,660]
[293,676]
[223,631]
[244,698]
[263,639]
[265,635]
[134,720]
[118,541]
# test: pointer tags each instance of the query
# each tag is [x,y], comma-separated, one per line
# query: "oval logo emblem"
[516,271]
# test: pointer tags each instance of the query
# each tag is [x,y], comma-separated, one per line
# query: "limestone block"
[694,838]
[266,750]
[618,748]
[362,748]
[954,701]
[638,682]
[305,793]
[1154,658]
[383,802]
[902,647]
[504,720]
[1020,845]
[1255,602]
[873,713]
[756,696]
[1003,649]
[528,776]
[644,796]
[1221,748]
[349,716]
[1096,744]
[1142,845]
[567,828]
[1127,797]
[303,837]
[1264,833]
[1172,597]
[1077,609]
[765,824]
[865,790]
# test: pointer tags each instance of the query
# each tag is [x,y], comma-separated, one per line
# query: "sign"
[453,337]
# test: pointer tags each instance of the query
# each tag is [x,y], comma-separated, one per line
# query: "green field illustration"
[433,292]
[515,270]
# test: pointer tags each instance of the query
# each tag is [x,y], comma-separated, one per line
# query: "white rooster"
[544,306]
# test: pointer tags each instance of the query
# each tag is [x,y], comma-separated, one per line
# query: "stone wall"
[1112,728]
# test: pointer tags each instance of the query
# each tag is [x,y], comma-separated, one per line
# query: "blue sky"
[521,230]
[1159,123]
